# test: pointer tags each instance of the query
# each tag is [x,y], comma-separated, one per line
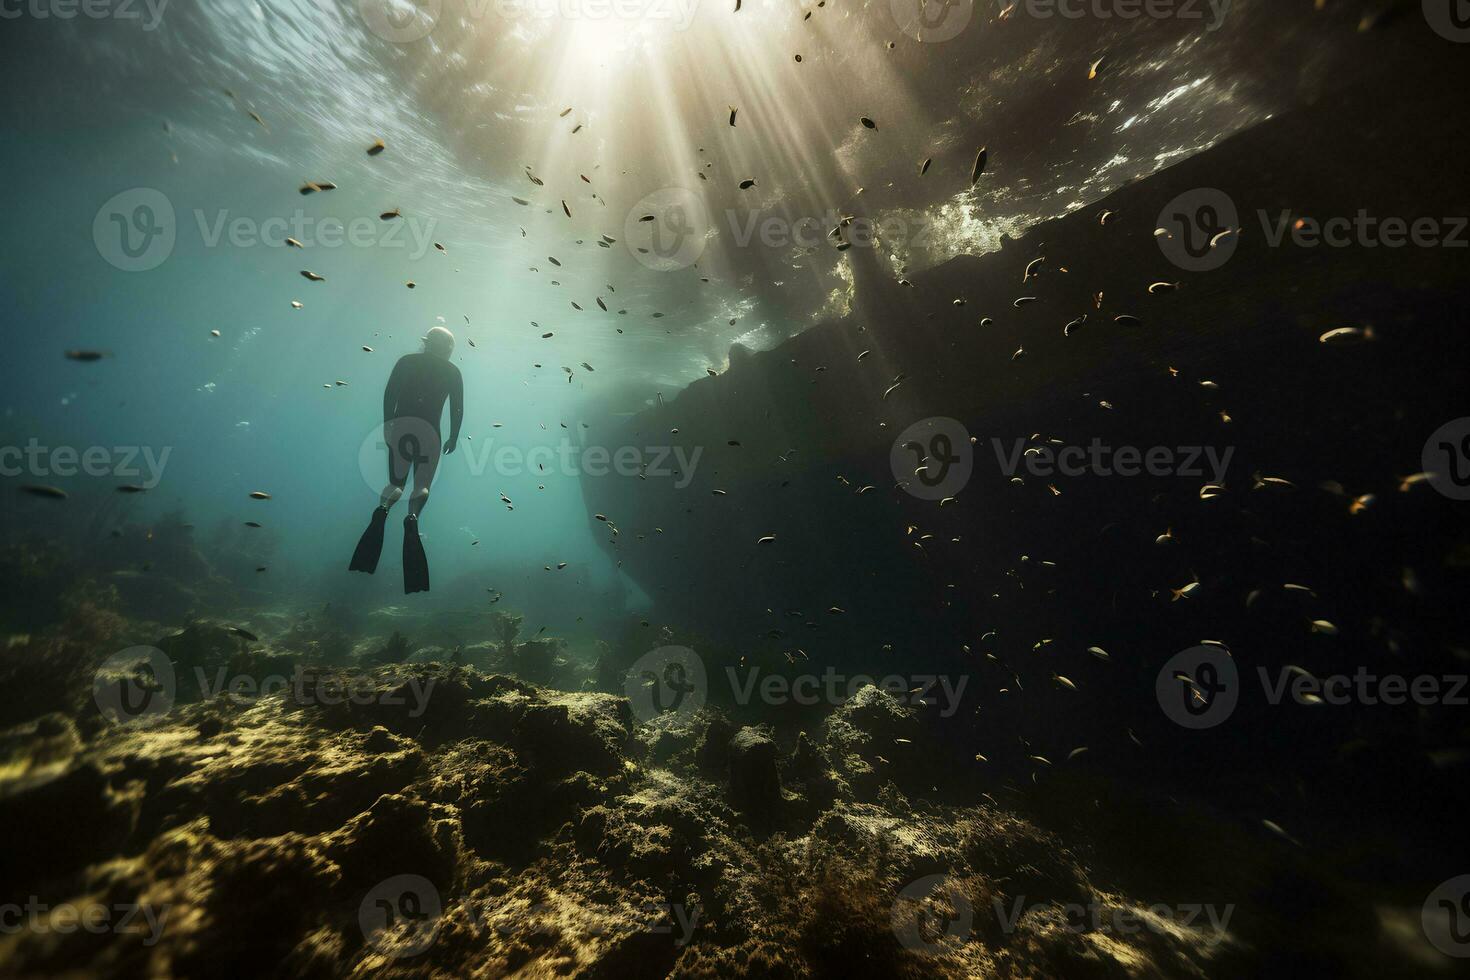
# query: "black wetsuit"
[413,404]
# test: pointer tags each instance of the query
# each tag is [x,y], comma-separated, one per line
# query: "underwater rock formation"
[435,820]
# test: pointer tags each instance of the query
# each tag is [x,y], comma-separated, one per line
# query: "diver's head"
[439,341]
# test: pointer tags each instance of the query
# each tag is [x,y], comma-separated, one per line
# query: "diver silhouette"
[413,403]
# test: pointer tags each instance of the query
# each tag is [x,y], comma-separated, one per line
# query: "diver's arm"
[390,392]
[456,408]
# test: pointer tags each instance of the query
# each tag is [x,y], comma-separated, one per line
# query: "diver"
[413,403]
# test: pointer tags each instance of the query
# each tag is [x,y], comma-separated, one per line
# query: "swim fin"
[370,545]
[415,562]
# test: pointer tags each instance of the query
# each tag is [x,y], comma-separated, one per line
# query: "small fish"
[131,488]
[312,276]
[1346,335]
[85,356]
[260,494]
[244,633]
[868,123]
[378,147]
[733,111]
[747,183]
[41,490]
[1095,69]
[390,215]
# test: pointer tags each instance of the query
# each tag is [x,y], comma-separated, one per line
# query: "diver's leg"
[399,463]
[423,477]
[370,545]
[415,562]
